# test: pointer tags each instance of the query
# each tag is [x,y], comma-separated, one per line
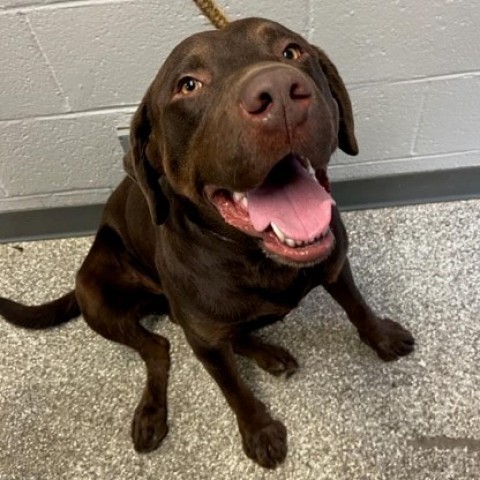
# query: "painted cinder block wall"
[72,73]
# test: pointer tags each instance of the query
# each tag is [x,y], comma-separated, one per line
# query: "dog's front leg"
[264,439]
[388,338]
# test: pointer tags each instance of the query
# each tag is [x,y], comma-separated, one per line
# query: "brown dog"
[225,221]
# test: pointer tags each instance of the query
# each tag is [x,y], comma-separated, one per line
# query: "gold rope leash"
[213,13]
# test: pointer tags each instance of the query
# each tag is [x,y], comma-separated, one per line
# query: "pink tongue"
[294,201]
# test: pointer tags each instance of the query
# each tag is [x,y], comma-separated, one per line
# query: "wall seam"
[427,156]
[310,28]
[430,79]
[127,109]
[48,64]
[419,123]
[59,6]
[38,195]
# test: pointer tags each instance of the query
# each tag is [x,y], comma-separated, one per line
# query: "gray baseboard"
[47,223]
[377,192]
[408,189]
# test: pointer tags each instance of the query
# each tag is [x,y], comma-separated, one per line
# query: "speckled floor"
[67,396]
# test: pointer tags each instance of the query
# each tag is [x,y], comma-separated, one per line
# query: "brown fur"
[162,246]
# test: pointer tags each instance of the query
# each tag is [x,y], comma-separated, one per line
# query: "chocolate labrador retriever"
[225,221]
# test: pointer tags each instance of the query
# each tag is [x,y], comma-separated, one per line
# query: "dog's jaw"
[314,240]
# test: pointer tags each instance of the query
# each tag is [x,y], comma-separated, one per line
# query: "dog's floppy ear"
[143,162]
[346,134]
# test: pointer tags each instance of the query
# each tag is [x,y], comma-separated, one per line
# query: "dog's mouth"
[290,211]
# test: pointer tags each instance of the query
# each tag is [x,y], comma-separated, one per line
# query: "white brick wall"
[73,71]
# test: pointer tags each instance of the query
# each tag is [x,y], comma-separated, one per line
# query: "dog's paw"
[266,445]
[276,360]
[390,340]
[149,427]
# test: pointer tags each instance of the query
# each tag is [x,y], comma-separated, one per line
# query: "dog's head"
[241,123]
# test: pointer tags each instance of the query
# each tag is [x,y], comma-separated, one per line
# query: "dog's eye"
[292,52]
[187,85]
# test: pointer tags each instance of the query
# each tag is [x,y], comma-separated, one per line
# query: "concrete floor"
[67,396]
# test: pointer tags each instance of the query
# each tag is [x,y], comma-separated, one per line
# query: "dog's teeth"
[244,202]
[237,196]
[310,169]
[281,236]
[290,242]
[278,232]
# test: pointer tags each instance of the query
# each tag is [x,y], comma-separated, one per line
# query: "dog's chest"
[241,295]
[217,283]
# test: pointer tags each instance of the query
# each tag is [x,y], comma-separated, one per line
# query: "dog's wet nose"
[277,97]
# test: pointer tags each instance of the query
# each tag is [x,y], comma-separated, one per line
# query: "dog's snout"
[277,96]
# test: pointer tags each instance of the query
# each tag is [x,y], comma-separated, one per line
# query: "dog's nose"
[277,97]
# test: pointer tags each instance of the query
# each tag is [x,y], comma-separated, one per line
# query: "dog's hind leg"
[271,358]
[114,296]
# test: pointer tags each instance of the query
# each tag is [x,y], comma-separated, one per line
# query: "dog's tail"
[47,315]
